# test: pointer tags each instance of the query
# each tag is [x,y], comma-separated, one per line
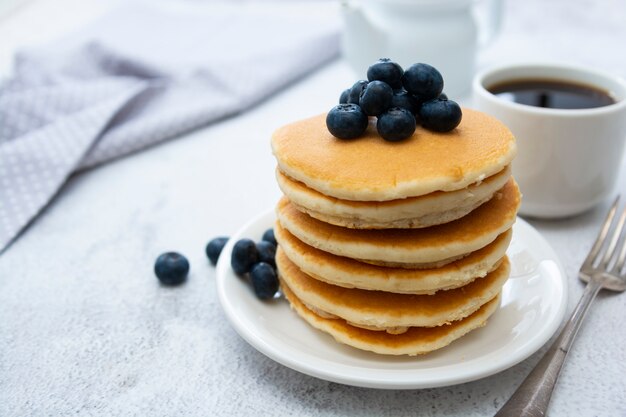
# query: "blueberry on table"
[396,124]
[440,115]
[268,236]
[401,98]
[443,96]
[214,248]
[267,252]
[171,268]
[244,255]
[387,71]
[423,81]
[376,98]
[343,98]
[264,280]
[355,91]
[346,121]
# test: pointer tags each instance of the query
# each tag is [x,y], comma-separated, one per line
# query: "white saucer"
[533,305]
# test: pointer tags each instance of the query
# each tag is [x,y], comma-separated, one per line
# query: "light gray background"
[86,330]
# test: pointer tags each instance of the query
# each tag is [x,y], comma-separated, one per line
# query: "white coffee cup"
[568,160]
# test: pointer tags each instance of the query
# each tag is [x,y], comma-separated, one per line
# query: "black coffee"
[552,94]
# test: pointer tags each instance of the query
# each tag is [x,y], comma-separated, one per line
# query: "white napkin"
[137,77]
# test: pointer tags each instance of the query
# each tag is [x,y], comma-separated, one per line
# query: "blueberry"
[387,71]
[244,256]
[401,98]
[214,248]
[423,81]
[267,252]
[355,91]
[376,98]
[343,98]
[440,115]
[396,124]
[346,121]
[268,236]
[443,96]
[264,280]
[171,268]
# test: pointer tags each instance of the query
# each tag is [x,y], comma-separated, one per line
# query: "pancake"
[408,247]
[349,273]
[415,341]
[381,310]
[372,169]
[414,212]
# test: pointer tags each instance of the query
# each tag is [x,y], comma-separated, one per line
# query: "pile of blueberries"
[255,261]
[399,99]
[258,261]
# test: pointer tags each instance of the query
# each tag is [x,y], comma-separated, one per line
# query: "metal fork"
[603,268]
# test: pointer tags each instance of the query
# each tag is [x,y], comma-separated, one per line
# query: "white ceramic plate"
[533,305]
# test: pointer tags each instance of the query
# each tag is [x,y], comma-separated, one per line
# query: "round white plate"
[533,305]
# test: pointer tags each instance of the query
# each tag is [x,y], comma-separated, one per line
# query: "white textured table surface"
[85,329]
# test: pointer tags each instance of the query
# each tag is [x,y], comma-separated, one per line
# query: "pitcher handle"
[490,20]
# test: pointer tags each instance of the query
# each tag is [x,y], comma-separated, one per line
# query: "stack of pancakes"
[395,247]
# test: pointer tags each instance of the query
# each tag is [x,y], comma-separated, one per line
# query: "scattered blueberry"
[267,252]
[440,115]
[423,81]
[244,256]
[268,236]
[343,98]
[387,71]
[401,98]
[214,248]
[355,91]
[376,98]
[171,268]
[443,96]
[346,121]
[264,280]
[396,124]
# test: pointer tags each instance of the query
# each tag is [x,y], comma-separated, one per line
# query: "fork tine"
[621,259]
[617,233]
[602,235]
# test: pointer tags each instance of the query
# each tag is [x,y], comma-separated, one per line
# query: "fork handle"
[532,397]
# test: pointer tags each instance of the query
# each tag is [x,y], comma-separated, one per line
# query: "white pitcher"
[442,33]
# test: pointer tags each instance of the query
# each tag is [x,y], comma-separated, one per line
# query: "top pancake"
[370,168]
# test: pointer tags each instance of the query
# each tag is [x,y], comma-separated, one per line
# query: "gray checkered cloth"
[135,78]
